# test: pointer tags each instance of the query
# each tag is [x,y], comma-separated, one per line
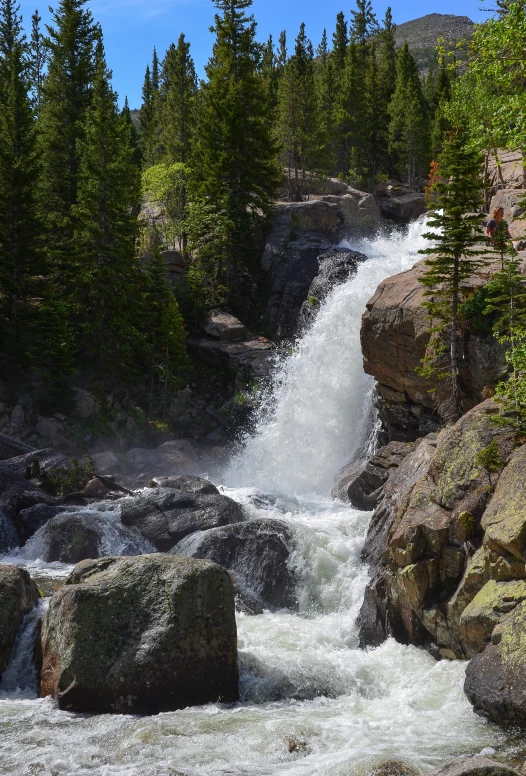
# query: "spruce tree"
[65,101]
[297,116]
[363,26]
[19,227]
[454,257]
[352,119]
[38,59]
[133,134]
[105,232]
[148,119]
[340,41]
[408,128]
[386,87]
[234,154]
[326,94]
[441,95]
[177,98]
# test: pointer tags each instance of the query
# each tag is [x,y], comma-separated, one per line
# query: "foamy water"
[312,703]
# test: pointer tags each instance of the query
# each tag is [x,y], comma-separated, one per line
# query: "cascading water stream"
[312,702]
[318,415]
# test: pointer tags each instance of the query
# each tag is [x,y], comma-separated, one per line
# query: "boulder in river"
[186,483]
[256,553]
[141,635]
[165,516]
[72,537]
[18,595]
[473,766]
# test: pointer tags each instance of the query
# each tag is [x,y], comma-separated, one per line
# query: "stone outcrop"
[186,483]
[403,208]
[423,538]
[301,232]
[361,483]
[473,766]
[394,340]
[223,326]
[18,595]
[256,553]
[165,516]
[239,360]
[336,266]
[141,636]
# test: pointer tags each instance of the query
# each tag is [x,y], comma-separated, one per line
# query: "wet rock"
[165,516]
[18,595]
[425,530]
[30,520]
[257,554]
[72,537]
[496,679]
[505,519]
[393,768]
[223,326]
[473,766]
[361,483]
[165,636]
[185,483]
[336,266]
[248,358]
[14,469]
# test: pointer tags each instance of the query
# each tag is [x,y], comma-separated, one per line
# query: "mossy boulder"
[473,766]
[141,635]
[487,609]
[18,595]
[496,679]
[504,521]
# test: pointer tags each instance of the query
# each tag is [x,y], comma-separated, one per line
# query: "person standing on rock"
[495,222]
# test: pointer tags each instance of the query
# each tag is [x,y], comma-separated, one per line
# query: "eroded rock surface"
[141,636]
[165,516]
[18,595]
[256,553]
[424,534]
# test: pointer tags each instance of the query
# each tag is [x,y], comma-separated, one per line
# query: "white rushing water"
[313,703]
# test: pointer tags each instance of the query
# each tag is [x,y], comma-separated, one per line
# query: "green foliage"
[510,394]
[455,255]
[490,459]
[164,186]
[177,103]
[60,482]
[234,156]
[473,311]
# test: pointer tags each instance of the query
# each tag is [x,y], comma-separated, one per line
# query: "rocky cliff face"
[301,232]
[394,341]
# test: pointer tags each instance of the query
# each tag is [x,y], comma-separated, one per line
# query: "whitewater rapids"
[313,703]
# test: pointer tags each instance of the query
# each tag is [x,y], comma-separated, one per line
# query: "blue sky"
[133,27]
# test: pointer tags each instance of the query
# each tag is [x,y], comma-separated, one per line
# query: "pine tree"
[148,119]
[408,129]
[133,134]
[363,26]
[282,55]
[326,95]
[38,59]
[340,42]
[270,75]
[441,95]
[234,154]
[19,227]
[386,87]
[156,80]
[454,257]
[65,101]
[177,100]
[105,232]
[352,119]
[297,116]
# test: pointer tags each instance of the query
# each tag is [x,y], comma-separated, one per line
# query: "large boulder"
[256,553]
[424,533]
[18,595]
[141,636]
[336,266]
[175,457]
[73,537]
[496,678]
[404,208]
[473,766]
[395,336]
[165,516]
[186,483]
[223,326]
[361,483]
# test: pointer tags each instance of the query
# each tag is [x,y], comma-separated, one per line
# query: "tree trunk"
[455,389]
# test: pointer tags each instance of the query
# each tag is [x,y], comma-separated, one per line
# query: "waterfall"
[21,674]
[318,413]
